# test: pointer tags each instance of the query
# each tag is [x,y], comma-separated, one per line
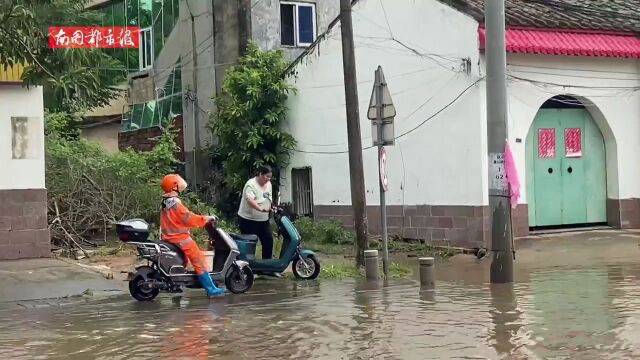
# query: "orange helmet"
[173,182]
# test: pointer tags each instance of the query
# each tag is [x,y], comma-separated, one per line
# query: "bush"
[323,232]
[248,120]
[90,189]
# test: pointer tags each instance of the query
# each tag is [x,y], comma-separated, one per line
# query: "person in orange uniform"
[175,222]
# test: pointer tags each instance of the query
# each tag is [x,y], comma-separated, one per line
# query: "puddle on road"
[551,313]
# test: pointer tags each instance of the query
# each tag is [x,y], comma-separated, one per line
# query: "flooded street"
[566,307]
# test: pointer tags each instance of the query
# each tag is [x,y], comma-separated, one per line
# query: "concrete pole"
[371,267]
[358,200]
[499,201]
[427,273]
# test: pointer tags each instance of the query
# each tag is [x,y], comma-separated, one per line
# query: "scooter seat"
[171,246]
[242,237]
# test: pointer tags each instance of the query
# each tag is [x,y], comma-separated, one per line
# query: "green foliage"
[197,206]
[249,115]
[90,188]
[162,158]
[323,232]
[73,79]
[64,125]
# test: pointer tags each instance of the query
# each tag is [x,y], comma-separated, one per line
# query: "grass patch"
[339,271]
[343,270]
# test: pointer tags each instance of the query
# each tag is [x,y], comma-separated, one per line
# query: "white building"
[573,117]
[23,211]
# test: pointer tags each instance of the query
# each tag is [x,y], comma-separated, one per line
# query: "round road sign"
[383,170]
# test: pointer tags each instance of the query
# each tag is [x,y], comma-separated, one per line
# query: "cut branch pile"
[90,190]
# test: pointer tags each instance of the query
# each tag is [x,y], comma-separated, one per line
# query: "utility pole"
[358,200]
[499,200]
[196,109]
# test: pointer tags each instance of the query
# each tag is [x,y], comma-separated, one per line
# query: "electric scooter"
[305,262]
[166,263]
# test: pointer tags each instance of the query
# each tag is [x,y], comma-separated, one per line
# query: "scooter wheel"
[239,280]
[139,291]
[307,268]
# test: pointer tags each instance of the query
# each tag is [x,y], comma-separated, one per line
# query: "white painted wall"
[23,173]
[444,161]
[441,162]
[606,87]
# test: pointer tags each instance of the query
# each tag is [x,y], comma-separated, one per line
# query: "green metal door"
[547,170]
[566,175]
[570,145]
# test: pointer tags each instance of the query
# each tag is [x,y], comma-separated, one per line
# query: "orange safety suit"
[175,222]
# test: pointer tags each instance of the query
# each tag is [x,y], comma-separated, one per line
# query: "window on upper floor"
[159,15]
[146,48]
[297,24]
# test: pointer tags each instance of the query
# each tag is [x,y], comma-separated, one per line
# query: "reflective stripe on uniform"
[174,231]
[184,242]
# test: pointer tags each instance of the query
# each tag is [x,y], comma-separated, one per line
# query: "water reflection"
[506,319]
[554,313]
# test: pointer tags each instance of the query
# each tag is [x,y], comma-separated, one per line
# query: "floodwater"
[565,310]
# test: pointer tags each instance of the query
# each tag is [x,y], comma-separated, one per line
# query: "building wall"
[23,214]
[265,22]
[436,173]
[179,49]
[607,87]
[106,135]
[438,168]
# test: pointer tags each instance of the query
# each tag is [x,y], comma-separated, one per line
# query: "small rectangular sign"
[87,37]
[497,174]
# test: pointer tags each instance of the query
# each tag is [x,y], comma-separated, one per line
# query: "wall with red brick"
[146,139]
[23,224]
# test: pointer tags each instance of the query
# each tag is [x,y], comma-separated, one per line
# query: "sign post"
[382,112]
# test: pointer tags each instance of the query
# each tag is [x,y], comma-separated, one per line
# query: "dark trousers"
[263,230]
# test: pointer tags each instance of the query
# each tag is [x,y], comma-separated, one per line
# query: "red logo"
[94,37]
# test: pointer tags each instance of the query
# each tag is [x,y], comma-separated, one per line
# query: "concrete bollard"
[371,266]
[427,273]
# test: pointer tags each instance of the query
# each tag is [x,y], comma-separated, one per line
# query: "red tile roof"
[550,42]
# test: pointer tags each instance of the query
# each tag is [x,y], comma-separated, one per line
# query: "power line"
[573,86]
[441,110]
[573,69]
[576,76]
[406,132]
[365,81]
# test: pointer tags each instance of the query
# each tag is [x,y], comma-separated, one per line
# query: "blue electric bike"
[305,262]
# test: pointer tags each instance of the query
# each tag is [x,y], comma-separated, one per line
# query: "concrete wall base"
[23,224]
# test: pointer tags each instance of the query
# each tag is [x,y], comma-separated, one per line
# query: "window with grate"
[302,191]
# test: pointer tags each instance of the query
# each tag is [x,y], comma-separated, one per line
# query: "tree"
[73,79]
[249,116]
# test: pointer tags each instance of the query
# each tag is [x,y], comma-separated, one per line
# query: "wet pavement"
[25,281]
[575,298]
